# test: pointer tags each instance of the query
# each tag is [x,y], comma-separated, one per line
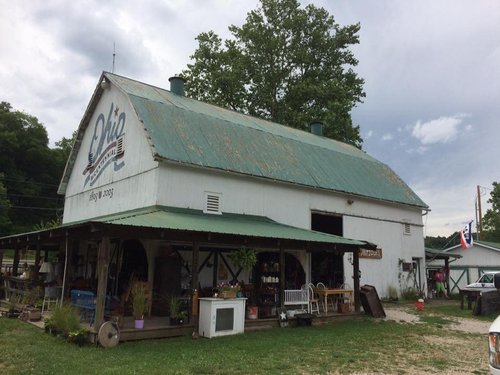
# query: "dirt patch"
[470,352]
[402,314]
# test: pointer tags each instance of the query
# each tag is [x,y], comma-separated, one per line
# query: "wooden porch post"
[194,286]
[282,276]
[357,299]
[102,280]
[447,274]
[37,261]
[215,268]
[15,263]
[194,265]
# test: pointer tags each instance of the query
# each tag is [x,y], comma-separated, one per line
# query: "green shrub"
[410,294]
[65,319]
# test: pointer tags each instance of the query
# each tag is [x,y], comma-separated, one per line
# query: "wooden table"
[325,292]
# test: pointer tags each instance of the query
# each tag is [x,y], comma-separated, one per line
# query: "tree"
[5,223]
[287,64]
[491,220]
[31,170]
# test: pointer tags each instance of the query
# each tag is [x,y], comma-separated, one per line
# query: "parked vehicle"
[485,283]
[494,337]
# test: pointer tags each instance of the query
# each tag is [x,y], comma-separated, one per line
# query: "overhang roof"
[225,223]
[190,132]
[190,221]
[431,254]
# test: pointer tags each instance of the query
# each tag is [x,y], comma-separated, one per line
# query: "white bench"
[295,297]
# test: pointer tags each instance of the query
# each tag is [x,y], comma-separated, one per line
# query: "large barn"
[162,187]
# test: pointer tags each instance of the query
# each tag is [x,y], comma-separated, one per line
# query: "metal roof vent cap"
[177,85]
[317,128]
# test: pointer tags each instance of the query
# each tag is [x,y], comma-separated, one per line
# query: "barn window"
[407,267]
[212,203]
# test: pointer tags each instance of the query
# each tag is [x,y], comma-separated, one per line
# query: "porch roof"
[226,223]
[185,225]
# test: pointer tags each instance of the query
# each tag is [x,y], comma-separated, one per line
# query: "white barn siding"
[474,262]
[374,221]
[133,185]
[137,180]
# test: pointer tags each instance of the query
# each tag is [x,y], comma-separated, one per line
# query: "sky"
[431,71]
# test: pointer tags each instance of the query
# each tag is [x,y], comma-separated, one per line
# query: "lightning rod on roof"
[114,54]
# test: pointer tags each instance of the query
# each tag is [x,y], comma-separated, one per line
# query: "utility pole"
[480,221]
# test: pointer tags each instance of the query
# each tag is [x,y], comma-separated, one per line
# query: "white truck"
[485,283]
[494,338]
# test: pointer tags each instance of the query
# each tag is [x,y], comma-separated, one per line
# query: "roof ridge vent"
[177,85]
[317,128]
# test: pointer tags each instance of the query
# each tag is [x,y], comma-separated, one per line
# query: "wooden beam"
[194,265]
[15,263]
[37,261]
[194,287]
[447,274]
[357,298]
[215,269]
[282,276]
[102,280]
[234,276]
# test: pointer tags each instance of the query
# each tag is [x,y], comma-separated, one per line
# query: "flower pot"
[252,312]
[227,294]
[139,324]
[343,307]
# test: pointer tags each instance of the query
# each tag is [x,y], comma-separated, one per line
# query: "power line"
[33,196]
[32,208]
[27,181]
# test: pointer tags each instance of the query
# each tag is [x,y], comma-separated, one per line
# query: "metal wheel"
[109,334]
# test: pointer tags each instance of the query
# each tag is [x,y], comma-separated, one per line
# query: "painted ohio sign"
[106,147]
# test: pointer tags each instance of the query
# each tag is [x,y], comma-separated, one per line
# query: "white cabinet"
[221,317]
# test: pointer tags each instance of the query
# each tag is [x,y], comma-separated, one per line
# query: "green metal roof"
[496,245]
[194,133]
[234,224]
[440,254]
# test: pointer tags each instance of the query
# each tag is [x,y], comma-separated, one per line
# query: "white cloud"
[441,130]
[369,134]
[387,137]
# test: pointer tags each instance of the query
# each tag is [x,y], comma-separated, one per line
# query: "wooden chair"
[312,301]
[329,299]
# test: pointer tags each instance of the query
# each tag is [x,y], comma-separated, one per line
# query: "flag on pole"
[466,236]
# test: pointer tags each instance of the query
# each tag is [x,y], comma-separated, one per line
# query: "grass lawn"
[358,346]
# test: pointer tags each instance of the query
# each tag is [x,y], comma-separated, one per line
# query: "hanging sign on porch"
[370,254]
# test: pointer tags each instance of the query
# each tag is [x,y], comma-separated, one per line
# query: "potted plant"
[244,258]
[139,297]
[175,310]
[227,290]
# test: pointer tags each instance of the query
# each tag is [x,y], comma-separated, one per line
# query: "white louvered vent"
[91,160]
[212,203]
[119,146]
[407,229]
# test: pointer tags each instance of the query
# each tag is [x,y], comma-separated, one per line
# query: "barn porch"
[96,255]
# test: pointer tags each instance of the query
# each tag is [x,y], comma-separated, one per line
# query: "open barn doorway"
[134,264]
[327,267]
